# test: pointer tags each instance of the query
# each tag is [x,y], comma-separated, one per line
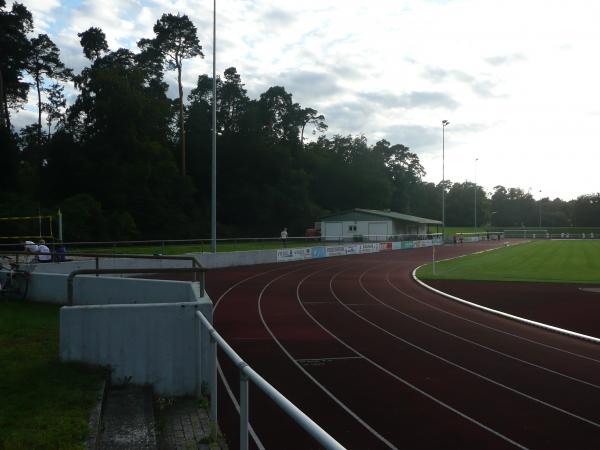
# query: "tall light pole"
[475,197]
[445,123]
[540,224]
[213,209]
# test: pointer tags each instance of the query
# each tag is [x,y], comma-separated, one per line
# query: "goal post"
[26,227]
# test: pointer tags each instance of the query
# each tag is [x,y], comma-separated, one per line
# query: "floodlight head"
[445,122]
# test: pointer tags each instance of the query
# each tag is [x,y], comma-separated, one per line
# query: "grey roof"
[390,215]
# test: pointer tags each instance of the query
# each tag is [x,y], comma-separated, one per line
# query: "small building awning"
[361,214]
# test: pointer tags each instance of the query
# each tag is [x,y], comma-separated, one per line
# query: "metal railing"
[169,270]
[203,245]
[248,374]
[98,256]
[162,245]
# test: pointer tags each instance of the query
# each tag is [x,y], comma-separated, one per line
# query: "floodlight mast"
[475,196]
[445,123]
[213,209]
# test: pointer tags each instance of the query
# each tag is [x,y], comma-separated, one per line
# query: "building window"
[351,227]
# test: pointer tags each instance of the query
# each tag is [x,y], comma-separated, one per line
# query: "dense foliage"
[124,160]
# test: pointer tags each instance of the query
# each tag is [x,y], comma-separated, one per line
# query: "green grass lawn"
[43,403]
[543,261]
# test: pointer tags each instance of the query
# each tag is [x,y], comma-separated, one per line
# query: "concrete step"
[128,419]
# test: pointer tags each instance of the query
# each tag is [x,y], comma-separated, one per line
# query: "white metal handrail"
[246,374]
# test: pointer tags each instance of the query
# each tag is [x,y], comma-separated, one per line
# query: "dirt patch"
[574,307]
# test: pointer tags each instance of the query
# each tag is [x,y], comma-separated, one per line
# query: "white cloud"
[517,80]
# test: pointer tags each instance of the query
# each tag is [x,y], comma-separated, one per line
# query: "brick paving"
[182,425]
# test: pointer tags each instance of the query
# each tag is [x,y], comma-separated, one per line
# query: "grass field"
[43,403]
[542,261]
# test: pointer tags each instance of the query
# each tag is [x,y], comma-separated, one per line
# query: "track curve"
[380,362]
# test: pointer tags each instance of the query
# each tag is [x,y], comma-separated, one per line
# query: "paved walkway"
[128,420]
[182,425]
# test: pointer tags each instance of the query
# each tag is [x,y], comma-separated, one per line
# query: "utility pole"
[445,123]
[213,209]
[475,183]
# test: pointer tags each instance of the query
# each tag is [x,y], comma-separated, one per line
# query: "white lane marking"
[358,304]
[221,374]
[313,379]
[402,380]
[321,303]
[427,324]
[233,286]
[327,358]
[458,366]
[517,336]
[544,326]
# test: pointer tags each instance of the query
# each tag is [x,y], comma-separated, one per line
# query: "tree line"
[125,161]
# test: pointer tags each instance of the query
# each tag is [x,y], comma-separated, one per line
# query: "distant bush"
[83,219]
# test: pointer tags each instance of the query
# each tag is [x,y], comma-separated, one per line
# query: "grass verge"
[44,403]
[541,261]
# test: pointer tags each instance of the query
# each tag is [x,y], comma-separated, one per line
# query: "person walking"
[284,236]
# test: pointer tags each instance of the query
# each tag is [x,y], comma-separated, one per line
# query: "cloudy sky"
[518,80]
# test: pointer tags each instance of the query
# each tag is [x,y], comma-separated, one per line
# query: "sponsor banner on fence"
[369,248]
[318,252]
[293,254]
[353,249]
[408,244]
[383,246]
[397,245]
[421,244]
[336,251]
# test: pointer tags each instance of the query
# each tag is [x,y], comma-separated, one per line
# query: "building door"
[378,231]
[333,231]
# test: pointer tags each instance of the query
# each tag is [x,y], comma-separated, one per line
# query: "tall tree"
[176,39]
[281,117]
[232,102]
[14,26]
[44,61]
[586,210]
[55,106]
[309,116]
[405,171]
[93,42]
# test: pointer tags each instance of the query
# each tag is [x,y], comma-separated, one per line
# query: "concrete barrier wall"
[91,290]
[146,330]
[156,344]
[208,260]
[230,259]
[107,263]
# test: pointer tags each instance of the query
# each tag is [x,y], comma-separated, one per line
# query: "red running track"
[380,362]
